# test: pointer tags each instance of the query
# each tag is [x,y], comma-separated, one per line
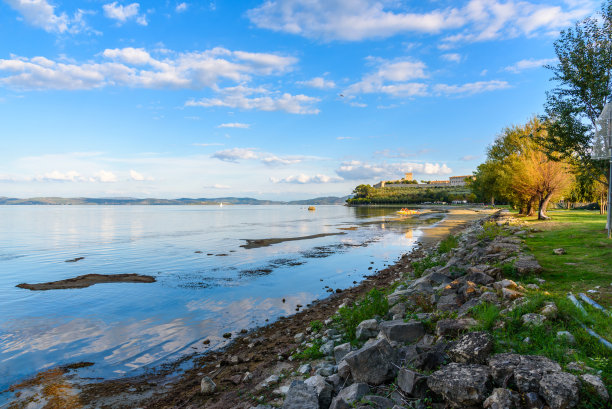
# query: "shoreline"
[256,353]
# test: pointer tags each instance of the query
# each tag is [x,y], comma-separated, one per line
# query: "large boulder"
[560,390]
[527,264]
[529,372]
[595,384]
[400,331]
[478,277]
[301,396]
[411,383]
[374,363]
[349,395]
[462,384]
[448,302]
[366,329]
[340,351]
[501,399]
[454,327]
[323,390]
[472,348]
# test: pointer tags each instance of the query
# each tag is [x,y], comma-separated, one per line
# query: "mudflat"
[256,243]
[88,280]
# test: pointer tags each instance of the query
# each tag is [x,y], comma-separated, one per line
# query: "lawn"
[588,262]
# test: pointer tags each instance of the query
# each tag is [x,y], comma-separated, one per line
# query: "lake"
[206,283]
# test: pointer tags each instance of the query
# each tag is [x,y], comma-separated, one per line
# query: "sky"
[277,99]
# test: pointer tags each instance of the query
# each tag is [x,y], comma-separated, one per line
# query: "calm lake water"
[126,327]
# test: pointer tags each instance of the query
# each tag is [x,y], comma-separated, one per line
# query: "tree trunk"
[543,206]
[531,207]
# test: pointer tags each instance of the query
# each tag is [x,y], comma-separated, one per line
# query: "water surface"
[207,284]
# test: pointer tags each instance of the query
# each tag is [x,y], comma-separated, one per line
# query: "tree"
[584,84]
[363,191]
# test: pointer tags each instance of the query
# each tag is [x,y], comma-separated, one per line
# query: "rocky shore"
[428,351]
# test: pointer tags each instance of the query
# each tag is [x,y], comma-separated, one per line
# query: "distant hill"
[127,201]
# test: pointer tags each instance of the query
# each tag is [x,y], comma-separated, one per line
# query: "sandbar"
[256,243]
[88,280]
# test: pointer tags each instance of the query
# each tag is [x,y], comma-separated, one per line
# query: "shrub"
[423,264]
[348,318]
[448,244]
[316,326]
[311,353]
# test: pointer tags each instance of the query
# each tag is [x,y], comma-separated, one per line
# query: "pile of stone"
[404,362]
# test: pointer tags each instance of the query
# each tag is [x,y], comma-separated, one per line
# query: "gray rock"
[500,399]
[594,383]
[560,390]
[472,348]
[266,383]
[533,319]
[304,369]
[505,283]
[566,336]
[301,396]
[399,309]
[448,302]
[489,297]
[400,331]
[323,390]
[374,363]
[466,307]
[532,286]
[550,310]
[366,329]
[299,337]
[452,327]
[344,370]
[327,348]
[478,277]
[559,252]
[527,265]
[326,369]
[411,382]
[377,402]
[462,384]
[508,294]
[349,395]
[340,351]
[207,386]
[530,370]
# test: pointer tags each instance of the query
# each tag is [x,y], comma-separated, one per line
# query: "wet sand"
[261,352]
[257,243]
[88,280]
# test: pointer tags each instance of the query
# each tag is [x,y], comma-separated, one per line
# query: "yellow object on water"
[311,208]
[407,211]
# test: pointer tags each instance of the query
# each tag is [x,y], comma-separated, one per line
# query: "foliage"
[490,230]
[419,266]
[449,243]
[401,195]
[311,353]
[362,191]
[583,86]
[316,326]
[486,314]
[348,318]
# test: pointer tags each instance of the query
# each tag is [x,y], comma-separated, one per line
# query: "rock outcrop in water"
[88,280]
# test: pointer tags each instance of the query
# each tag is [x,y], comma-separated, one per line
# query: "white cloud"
[452,57]
[218,186]
[104,176]
[529,64]
[57,176]
[39,13]
[235,154]
[303,179]
[354,20]
[139,177]
[272,160]
[471,88]
[468,158]
[240,97]
[235,125]
[137,68]
[122,14]
[318,82]
[357,170]
[181,7]
[390,78]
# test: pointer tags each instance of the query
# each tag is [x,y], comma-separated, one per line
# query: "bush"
[348,318]
[316,326]
[448,244]
[490,230]
[423,264]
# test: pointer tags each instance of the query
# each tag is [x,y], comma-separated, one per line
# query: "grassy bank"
[587,264]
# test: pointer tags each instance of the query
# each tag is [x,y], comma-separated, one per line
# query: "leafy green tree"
[583,77]
[363,191]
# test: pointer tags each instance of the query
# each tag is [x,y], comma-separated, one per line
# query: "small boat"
[221,204]
[312,208]
[407,211]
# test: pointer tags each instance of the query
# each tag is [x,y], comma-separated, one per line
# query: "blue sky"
[281,99]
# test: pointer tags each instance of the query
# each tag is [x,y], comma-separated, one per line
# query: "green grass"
[311,353]
[448,244]
[588,262]
[348,318]
[316,326]
[419,266]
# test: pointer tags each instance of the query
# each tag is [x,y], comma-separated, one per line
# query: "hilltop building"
[408,181]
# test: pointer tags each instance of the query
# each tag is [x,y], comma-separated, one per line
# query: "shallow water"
[125,327]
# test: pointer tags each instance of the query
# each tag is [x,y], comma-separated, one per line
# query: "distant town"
[409,181]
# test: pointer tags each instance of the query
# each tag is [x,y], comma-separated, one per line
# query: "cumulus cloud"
[41,14]
[452,57]
[57,176]
[471,88]
[270,159]
[303,179]
[139,177]
[122,14]
[529,64]
[104,176]
[355,20]
[181,7]
[260,99]
[138,68]
[391,78]
[318,82]
[235,125]
[357,170]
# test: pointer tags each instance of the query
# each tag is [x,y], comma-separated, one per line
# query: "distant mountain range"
[329,200]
